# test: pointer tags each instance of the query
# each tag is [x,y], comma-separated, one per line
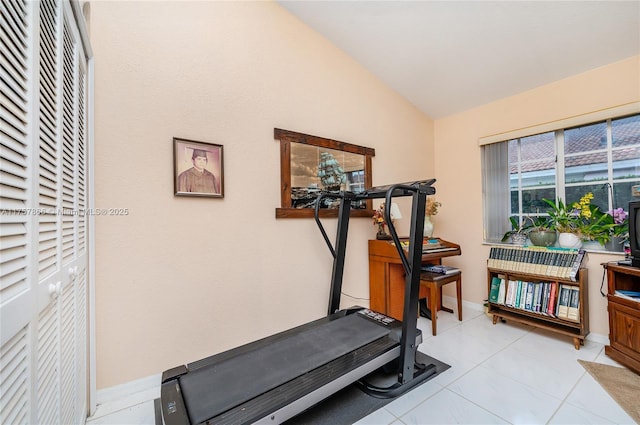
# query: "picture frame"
[197,168]
[303,171]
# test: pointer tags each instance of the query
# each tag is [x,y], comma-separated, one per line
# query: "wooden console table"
[387,277]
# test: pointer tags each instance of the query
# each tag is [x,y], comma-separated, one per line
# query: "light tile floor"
[500,374]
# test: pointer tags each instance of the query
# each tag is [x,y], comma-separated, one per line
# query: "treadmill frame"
[402,354]
[409,369]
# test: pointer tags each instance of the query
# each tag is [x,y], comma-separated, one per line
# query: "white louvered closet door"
[43,192]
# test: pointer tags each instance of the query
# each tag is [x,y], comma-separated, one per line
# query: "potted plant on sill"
[541,232]
[582,223]
[595,227]
[620,231]
[565,221]
[518,232]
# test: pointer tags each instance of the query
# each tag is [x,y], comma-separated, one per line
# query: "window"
[602,158]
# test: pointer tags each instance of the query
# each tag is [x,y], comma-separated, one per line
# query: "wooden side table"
[387,275]
[434,283]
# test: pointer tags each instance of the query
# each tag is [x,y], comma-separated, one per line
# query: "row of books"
[439,269]
[430,246]
[551,299]
[628,294]
[562,263]
[427,244]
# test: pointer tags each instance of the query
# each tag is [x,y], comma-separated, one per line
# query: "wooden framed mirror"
[310,164]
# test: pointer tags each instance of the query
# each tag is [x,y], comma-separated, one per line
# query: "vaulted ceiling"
[449,56]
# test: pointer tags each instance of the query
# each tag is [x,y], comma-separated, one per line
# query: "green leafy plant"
[562,218]
[540,223]
[581,218]
[596,225]
[517,228]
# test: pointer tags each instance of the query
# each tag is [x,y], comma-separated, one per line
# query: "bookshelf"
[624,315]
[541,287]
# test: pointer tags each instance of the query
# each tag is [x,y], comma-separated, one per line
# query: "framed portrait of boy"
[197,168]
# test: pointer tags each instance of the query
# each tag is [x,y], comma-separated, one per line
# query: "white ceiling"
[449,56]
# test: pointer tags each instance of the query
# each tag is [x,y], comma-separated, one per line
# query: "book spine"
[558,298]
[510,293]
[551,308]
[577,264]
[529,299]
[553,264]
[549,262]
[523,295]
[502,291]
[563,306]
[545,298]
[518,289]
[538,264]
[574,304]
[510,259]
[495,287]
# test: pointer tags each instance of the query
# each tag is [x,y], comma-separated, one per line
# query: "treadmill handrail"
[316,215]
[338,250]
[418,190]
[424,185]
[381,191]
[392,227]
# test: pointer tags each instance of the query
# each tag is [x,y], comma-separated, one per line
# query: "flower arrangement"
[621,220]
[585,220]
[378,220]
[594,225]
[432,206]
[378,216]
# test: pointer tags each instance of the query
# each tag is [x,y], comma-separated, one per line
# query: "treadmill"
[275,378]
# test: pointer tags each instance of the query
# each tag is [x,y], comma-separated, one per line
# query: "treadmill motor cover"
[236,380]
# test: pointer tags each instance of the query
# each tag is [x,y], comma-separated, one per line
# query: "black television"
[634,232]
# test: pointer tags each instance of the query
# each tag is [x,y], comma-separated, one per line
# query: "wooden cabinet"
[387,277]
[624,315]
[544,318]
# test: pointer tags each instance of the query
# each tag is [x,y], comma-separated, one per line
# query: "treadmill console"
[377,317]
[394,326]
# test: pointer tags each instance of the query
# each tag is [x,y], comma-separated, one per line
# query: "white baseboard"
[452,302]
[118,392]
[125,396]
[599,338]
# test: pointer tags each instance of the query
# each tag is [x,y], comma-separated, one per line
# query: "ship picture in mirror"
[315,169]
[311,165]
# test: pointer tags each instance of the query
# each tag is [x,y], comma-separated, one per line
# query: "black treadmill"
[276,378]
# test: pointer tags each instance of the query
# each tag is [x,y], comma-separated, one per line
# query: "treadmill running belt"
[211,390]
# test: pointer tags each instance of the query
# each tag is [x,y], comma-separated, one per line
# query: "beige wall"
[459,174]
[181,278]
